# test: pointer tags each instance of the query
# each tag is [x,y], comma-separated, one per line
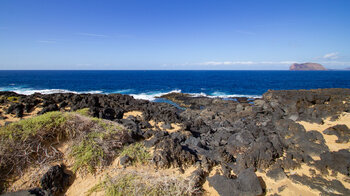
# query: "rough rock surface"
[55,180]
[341,131]
[247,183]
[239,135]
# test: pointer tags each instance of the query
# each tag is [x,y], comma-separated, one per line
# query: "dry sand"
[13,118]
[291,188]
[285,186]
[330,139]
[138,114]
[133,113]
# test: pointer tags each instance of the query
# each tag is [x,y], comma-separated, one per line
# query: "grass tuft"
[88,153]
[13,99]
[21,130]
[142,183]
[83,112]
[99,146]
[137,152]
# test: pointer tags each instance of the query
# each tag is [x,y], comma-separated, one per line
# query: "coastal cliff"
[286,142]
[306,67]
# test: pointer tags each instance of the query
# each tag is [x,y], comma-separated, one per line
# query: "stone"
[125,160]
[55,180]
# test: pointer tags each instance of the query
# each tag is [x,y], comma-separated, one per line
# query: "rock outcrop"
[306,67]
[238,136]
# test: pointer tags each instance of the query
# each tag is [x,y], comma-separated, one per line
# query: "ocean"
[150,84]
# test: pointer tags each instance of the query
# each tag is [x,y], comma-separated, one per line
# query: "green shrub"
[83,112]
[106,125]
[13,99]
[87,154]
[98,147]
[137,152]
[48,122]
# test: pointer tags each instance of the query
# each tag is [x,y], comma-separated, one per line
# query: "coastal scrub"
[34,141]
[142,183]
[13,99]
[137,152]
[83,112]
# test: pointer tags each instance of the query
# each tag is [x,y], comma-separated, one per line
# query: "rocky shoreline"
[237,146]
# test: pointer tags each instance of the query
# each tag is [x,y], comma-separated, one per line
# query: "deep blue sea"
[148,84]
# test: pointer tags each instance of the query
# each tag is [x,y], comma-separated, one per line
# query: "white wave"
[90,92]
[29,91]
[218,94]
[124,91]
[224,95]
[198,94]
[45,91]
[151,96]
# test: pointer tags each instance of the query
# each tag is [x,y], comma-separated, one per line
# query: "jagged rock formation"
[238,136]
[306,67]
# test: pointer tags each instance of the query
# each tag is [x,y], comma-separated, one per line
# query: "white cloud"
[264,63]
[347,63]
[92,35]
[331,56]
[214,63]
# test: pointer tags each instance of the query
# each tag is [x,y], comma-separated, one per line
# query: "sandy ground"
[133,113]
[286,186]
[84,182]
[13,118]
[138,114]
[291,188]
[330,139]
[209,190]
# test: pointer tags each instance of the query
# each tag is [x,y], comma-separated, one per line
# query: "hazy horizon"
[173,35]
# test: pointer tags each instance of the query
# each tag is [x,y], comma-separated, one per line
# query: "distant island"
[306,67]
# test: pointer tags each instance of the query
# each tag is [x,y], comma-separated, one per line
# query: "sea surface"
[150,84]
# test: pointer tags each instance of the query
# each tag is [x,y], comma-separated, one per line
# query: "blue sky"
[173,34]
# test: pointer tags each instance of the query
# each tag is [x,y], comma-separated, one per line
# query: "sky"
[173,34]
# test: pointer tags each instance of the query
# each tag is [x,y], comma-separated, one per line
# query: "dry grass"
[137,152]
[142,183]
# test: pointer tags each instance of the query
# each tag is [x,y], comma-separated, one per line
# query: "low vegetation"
[13,99]
[142,183]
[97,149]
[30,142]
[137,152]
[33,142]
[83,112]
[51,122]
[87,154]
